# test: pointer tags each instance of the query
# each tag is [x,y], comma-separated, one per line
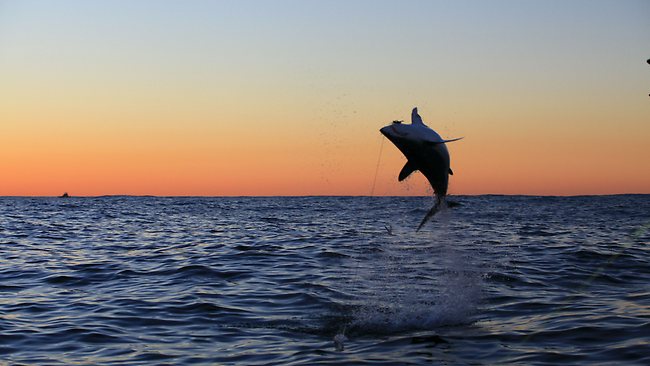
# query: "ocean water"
[325,280]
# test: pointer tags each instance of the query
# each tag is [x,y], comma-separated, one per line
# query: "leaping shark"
[425,151]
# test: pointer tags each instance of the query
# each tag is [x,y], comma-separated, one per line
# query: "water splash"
[417,282]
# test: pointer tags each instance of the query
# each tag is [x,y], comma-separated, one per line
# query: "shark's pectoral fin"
[452,140]
[406,170]
[451,172]
[441,142]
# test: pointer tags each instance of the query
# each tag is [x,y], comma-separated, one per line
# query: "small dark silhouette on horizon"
[65,195]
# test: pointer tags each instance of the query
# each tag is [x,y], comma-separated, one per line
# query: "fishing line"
[374,181]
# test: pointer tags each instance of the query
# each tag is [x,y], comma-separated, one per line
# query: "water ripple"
[320,280]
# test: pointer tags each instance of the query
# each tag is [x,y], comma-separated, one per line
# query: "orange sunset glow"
[252,98]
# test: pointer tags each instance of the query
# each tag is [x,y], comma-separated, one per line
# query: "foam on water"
[417,281]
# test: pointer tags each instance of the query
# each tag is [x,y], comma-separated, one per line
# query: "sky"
[221,98]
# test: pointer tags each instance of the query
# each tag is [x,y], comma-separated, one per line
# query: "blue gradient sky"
[170,97]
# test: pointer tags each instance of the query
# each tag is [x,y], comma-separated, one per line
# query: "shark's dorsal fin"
[406,171]
[415,117]
[451,172]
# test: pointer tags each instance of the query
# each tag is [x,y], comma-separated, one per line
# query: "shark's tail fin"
[440,203]
[429,215]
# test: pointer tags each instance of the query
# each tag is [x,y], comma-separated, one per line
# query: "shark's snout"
[391,131]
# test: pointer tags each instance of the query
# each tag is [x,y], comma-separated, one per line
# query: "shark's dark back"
[433,163]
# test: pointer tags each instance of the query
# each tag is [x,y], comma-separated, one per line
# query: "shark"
[426,152]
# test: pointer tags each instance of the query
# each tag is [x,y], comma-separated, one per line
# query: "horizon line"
[322,195]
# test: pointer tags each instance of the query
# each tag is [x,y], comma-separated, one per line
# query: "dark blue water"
[325,280]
